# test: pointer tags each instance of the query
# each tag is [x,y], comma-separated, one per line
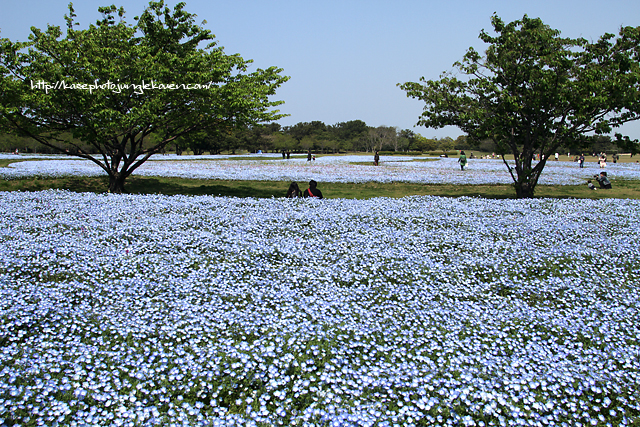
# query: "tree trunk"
[526,182]
[524,190]
[116,183]
[525,177]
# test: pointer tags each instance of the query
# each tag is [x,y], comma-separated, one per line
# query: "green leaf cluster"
[198,87]
[533,91]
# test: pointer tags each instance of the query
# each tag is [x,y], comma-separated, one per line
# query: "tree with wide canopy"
[534,91]
[128,90]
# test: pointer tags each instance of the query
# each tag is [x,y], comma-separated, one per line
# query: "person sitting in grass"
[590,185]
[312,191]
[603,180]
[294,191]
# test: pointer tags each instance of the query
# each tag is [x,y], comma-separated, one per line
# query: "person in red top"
[312,191]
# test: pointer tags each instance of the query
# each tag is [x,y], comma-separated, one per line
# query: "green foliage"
[304,129]
[317,136]
[464,143]
[628,145]
[284,142]
[534,91]
[212,92]
[423,144]
[452,153]
[212,140]
[350,135]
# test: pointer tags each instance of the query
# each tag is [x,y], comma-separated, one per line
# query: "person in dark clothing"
[376,159]
[603,180]
[294,191]
[312,191]
[309,156]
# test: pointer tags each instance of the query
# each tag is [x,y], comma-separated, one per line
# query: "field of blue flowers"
[183,311]
[271,167]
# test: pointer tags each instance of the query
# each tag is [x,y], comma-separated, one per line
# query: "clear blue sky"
[345,57]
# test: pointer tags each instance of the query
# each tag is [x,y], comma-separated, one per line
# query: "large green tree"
[305,129]
[91,83]
[350,135]
[534,91]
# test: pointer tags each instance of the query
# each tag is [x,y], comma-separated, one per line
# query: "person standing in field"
[581,160]
[309,156]
[312,191]
[376,159]
[462,160]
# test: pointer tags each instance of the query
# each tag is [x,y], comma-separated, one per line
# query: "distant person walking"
[462,160]
[376,159]
[312,191]
[602,160]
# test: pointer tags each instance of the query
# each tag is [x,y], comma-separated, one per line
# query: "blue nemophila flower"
[277,312]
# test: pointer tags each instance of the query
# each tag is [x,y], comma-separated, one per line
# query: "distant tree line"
[351,136]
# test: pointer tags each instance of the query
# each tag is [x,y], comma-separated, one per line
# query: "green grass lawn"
[626,189]
[6,162]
